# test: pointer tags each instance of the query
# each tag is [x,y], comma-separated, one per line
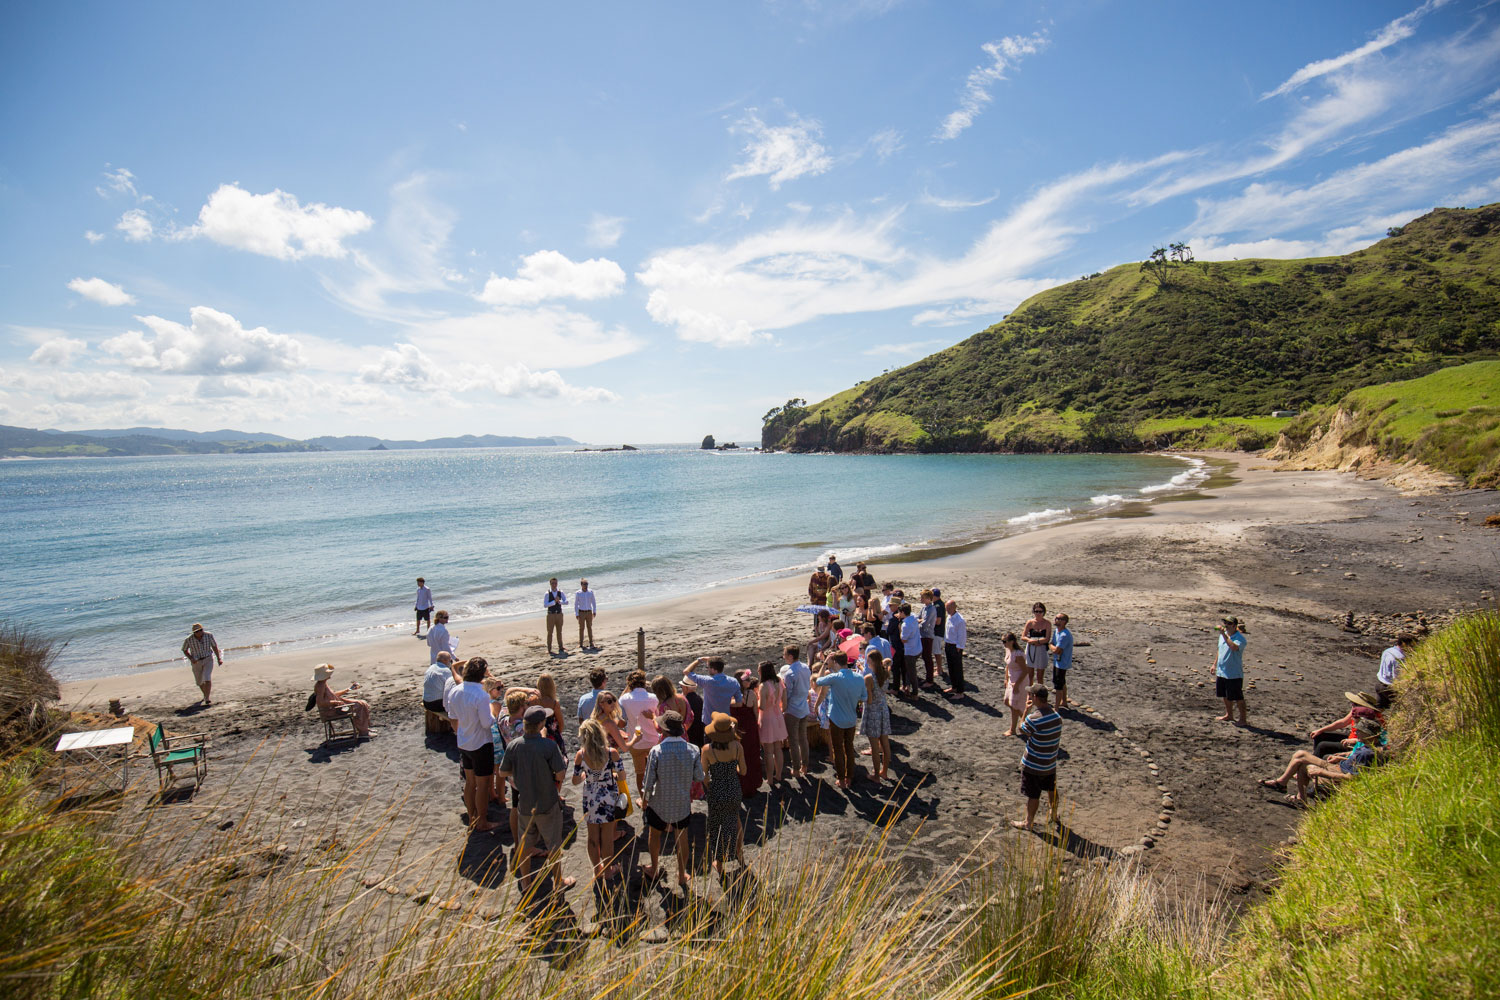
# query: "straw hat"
[1362,698]
[720,728]
[689,684]
[322,672]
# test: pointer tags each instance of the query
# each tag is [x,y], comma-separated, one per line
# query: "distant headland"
[25,442]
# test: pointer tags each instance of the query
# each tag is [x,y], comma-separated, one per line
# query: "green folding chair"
[178,757]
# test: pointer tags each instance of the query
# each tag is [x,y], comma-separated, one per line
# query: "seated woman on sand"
[333,703]
[1305,766]
[822,633]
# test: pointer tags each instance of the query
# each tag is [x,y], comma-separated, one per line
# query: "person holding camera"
[1229,671]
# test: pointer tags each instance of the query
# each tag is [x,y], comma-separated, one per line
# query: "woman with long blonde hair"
[598,767]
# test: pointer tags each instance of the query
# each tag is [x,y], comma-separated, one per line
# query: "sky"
[650,222]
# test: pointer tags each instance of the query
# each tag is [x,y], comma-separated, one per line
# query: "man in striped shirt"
[1043,732]
[201,651]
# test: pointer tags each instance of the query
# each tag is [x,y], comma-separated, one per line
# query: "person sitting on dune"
[1328,740]
[333,703]
[1305,766]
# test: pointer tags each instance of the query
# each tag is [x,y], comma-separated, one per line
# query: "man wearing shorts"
[1229,671]
[468,705]
[424,606]
[535,765]
[201,651]
[671,768]
[1061,647]
[1043,732]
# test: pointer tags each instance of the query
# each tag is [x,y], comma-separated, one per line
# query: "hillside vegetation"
[1121,361]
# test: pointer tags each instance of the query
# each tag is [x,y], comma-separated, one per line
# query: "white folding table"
[104,754]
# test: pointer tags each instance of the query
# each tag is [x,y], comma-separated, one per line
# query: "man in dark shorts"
[1043,732]
[468,705]
[667,791]
[536,767]
[424,606]
[1229,670]
[1061,648]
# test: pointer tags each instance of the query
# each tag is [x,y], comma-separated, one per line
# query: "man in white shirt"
[424,606]
[1391,662]
[796,683]
[438,639]
[553,602]
[585,603]
[468,705]
[955,638]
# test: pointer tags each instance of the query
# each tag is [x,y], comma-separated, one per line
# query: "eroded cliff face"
[1342,445]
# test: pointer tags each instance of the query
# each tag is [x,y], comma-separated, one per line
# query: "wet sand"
[1148,772]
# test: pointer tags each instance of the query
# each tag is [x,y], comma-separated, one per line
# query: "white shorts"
[203,671]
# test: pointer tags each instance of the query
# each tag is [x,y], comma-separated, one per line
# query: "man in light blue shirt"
[874,641]
[846,689]
[720,691]
[1229,671]
[796,683]
[911,646]
[1062,658]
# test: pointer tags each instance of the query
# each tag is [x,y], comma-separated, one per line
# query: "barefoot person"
[331,702]
[796,685]
[771,713]
[424,607]
[201,650]
[1036,634]
[537,767]
[1061,649]
[1229,671]
[640,707]
[1043,732]
[876,724]
[598,767]
[468,705]
[1017,679]
[723,766]
[845,690]
[671,768]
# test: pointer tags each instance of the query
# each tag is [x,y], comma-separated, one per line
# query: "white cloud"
[548,274]
[954,204]
[542,337]
[136,226]
[780,152]
[92,236]
[908,349]
[59,351]
[276,224]
[215,343]
[605,230]
[77,386]
[410,259]
[103,292]
[408,367]
[1401,28]
[119,181]
[885,144]
[1004,55]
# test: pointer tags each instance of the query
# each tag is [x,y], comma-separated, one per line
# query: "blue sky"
[651,222]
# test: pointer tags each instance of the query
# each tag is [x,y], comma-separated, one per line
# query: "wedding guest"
[955,640]
[435,680]
[823,634]
[862,577]
[585,604]
[927,631]
[331,702]
[723,769]
[747,722]
[671,768]
[1061,648]
[772,713]
[845,690]
[597,679]
[1035,635]
[1043,732]
[467,703]
[598,767]
[668,700]
[1392,659]
[546,696]
[817,586]
[1361,706]
[438,639]
[876,643]
[693,722]
[720,691]
[911,647]
[640,707]
[511,727]
[1017,679]
[846,605]
[538,768]
[1229,670]
[608,714]
[835,571]
[796,685]
[424,606]
[201,650]
[876,724]
[553,603]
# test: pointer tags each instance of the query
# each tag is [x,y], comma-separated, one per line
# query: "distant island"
[25,442]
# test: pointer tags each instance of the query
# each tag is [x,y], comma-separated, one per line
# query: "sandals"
[1280,786]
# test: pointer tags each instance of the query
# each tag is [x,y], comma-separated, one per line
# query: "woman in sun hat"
[723,764]
[331,702]
[1362,705]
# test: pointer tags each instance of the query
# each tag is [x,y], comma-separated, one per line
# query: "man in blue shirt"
[720,691]
[1043,733]
[796,684]
[586,701]
[911,648]
[1061,647]
[846,689]
[1229,671]
[874,641]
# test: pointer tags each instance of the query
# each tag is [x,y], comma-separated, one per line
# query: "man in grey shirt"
[671,768]
[536,766]
[796,682]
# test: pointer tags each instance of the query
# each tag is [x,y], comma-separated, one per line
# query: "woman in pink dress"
[1017,680]
[772,719]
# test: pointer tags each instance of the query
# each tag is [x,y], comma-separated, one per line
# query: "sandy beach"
[1147,771]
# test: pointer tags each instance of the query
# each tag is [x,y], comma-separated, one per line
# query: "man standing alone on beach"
[955,638]
[424,606]
[1229,671]
[438,639]
[201,651]
[584,605]
[1043,733]
[553,602]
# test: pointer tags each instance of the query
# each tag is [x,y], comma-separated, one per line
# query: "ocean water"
[117,557]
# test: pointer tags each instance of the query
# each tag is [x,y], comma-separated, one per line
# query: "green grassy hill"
[1118,361]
